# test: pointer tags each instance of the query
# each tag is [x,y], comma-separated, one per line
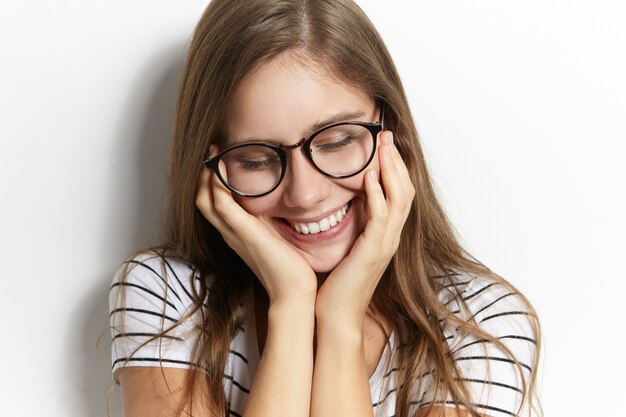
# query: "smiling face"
[282,102]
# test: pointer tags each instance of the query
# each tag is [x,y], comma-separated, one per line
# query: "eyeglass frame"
[374,128]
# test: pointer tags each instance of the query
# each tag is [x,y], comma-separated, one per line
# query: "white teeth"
[323,225]
[332,220]
[314,228]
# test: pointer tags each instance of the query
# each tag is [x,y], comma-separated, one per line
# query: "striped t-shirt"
[157,293]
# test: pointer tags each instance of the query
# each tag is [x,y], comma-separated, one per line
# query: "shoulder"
[493,306]
[156,278]
[155,306]
[494,342]
[154,288]
[153,264]
[489,302]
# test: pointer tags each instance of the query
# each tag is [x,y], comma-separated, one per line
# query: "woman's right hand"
[286,275]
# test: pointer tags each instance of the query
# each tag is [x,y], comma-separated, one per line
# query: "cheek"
[357,183]
[256,206]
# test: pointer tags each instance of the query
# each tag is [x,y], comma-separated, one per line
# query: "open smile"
[322,225]
[317,230]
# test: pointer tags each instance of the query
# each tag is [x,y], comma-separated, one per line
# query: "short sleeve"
[495,382]
[149,297]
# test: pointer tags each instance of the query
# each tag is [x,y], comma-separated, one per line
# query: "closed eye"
[334,145]
[258,164]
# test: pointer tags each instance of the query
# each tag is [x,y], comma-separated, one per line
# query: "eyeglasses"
[340,150]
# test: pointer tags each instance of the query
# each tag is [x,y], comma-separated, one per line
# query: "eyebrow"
[337,118]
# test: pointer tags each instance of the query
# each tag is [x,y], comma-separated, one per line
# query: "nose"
[304,186]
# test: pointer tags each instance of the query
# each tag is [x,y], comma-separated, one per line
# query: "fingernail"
[372,175]
[388,138]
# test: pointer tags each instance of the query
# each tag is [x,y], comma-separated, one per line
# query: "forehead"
[283,98]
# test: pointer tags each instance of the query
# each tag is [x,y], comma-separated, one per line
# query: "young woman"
[309,270]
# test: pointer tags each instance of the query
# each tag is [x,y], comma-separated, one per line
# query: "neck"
[321,277]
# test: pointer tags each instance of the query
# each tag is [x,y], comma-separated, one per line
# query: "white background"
[521,111]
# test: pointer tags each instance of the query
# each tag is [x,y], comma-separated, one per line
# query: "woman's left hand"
[344,297]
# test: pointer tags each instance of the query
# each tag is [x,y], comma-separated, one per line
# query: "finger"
[390,165]
[399,190]
[389,170]
[204,197]
[204,202]
[376,205]
[396,180]
[224,203]
[240,222]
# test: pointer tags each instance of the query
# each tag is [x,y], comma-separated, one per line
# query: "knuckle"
[204,208]
[220,210]
[201,202]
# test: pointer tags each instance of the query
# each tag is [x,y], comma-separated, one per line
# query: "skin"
[319,338]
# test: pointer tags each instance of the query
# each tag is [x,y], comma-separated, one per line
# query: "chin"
[324,267]
[323,263]
[324,256]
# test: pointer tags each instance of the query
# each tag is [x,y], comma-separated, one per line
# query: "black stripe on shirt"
[474,294]
[492,303]
[140,310]
[148,267]
[392,370]
[159,335]
[376,404]
[498,384]
[458,283]
[130,284]
[492,358]
[234,352]
[528,339]
[237,384]
[184,287]
[425,374]
[469,297]
[159,360]
[475,342]
[505,313]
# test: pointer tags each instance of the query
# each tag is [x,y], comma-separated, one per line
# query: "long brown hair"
[232,38]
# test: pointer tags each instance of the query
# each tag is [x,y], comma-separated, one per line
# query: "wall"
[520,106]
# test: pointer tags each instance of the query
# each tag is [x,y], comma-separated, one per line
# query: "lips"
[322,225]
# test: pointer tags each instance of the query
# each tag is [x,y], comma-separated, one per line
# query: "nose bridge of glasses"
[305,154]
[306,184]
[295,145]
[300,143]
